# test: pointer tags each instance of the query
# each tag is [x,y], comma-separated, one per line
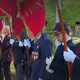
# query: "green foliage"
[50,8]
[12,66]
[70,11]
[53,40]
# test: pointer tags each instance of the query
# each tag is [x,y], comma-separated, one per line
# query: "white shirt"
[66,40]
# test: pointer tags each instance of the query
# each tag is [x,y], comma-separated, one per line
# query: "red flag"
[33,12]
[4,7]
[12,4]
[1,13]
[1,25]
[9,7]
[18,26]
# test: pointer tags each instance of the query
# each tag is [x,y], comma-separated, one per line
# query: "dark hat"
[57,27]
[78,22]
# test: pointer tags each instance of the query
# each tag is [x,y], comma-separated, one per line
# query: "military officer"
[39,55]
[58,65]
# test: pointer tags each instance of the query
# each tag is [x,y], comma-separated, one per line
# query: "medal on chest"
[35,56]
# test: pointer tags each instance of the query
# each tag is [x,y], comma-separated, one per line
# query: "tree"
[70,12]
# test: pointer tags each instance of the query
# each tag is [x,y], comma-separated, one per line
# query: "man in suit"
[58,66]
[20,55]
[75,60]
[39,55]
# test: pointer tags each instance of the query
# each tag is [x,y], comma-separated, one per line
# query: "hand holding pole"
[64,38]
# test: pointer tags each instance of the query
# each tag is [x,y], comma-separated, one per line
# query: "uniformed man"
[20,55]
[58,66]
[39,55]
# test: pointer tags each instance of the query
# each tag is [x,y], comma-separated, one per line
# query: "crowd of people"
[41,65]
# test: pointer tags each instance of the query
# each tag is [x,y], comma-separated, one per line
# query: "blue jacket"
[59,65]
[39,66]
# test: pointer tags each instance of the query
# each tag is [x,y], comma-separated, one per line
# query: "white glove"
[40,79]
[69,56]
[48,61]
[20,44]
[27,43]
[49,70]
[12,41]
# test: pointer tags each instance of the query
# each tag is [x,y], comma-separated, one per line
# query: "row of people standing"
[37,54]
[20,56]
[57,66]
[42,68]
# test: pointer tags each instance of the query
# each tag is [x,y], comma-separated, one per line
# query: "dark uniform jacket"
[59,65]
[75,75]
[19,53]
[6,49]
[39,66]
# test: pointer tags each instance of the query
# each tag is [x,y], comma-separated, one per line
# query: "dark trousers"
[50,76]
[1,72]
[21,73]
[6,68]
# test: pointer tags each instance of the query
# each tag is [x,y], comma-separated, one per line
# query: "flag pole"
[26,37]
[12,27]
[64,38]
[28,56]
[27,49]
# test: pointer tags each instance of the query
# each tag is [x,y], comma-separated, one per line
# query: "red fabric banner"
[9,7]
[1,13]
[33,12]
[19,25]
[12,4]
[4,6]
